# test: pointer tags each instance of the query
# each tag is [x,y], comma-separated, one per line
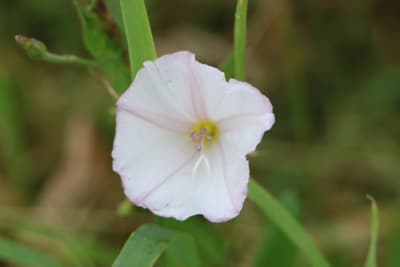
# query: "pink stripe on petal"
[196,91]
[175,171]
[161,121]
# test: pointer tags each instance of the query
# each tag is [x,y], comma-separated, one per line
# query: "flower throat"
[204,132]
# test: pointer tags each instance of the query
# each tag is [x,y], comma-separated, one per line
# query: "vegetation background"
[332,70]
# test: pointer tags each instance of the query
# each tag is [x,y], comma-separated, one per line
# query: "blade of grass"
[138,34]
[240,30]
[371,258]
[18,254]
[228,67]
[274,211]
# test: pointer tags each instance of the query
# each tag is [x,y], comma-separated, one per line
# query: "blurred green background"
[331,69]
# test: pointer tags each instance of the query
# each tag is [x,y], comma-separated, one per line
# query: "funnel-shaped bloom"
[182,136]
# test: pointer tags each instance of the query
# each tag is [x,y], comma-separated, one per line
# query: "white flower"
[182,136]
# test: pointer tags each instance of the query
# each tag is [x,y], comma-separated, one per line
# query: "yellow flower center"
[204,132]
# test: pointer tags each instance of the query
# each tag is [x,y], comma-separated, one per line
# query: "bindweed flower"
[182,136]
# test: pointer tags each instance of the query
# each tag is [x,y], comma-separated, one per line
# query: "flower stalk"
[36,49]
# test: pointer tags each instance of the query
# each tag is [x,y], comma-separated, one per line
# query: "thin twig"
[106,84]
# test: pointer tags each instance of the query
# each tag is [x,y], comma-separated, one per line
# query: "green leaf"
[371,258]
[182,253]
[277,250]
[102,45]
[211,246]
[15,253]
[145,246]
[239,37]
[274,211]
[138,34]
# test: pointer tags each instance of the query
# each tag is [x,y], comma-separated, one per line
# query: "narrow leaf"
[239,37]
[15,253]
[138,34]
[145,246]
[274,211]
[371,258]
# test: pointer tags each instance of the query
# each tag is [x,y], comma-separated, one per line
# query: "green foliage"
[18,254]
[138,33]
[240,32]
[102,45]
[115,9]
[210,243]
[371,258]
[36,49]
[274,211]
[182,252]
[276,249]
[228,67]
[12,149]
[147,243]
[80,251]
[392,255]
[341,91]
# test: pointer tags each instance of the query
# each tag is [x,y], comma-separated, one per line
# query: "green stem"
[36,49]
[69,59]
[240,31]
[275,212]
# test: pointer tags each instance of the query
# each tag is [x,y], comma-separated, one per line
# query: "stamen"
[199,137]
[204,132]
[202,158]
[195,136]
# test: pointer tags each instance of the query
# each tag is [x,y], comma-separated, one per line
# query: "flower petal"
[145,155]
[242,99]
[220,196]
[217,194]
[167,85]
[155,155]
[231,103]
[244,116]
